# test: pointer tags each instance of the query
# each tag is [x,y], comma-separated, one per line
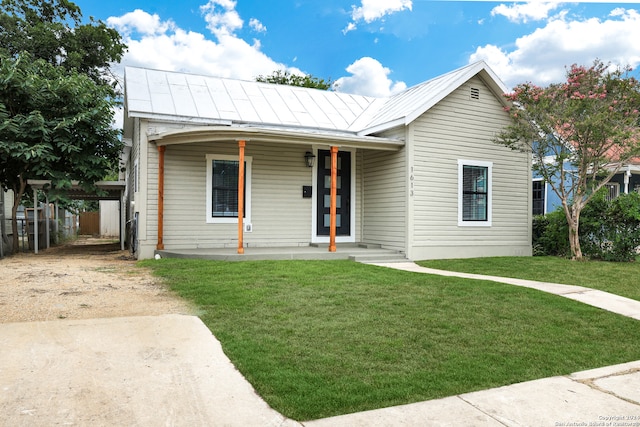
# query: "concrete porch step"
[353,251]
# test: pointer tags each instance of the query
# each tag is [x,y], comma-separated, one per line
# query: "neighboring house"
[416,172]
[545,200]
[625,181]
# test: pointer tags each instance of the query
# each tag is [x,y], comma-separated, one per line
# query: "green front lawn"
[620,278]
[322,338]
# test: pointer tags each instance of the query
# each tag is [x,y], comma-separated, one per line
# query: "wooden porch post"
[241,145]
[160,245]
[332,209]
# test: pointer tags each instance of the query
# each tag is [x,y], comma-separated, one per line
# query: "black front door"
[343,193]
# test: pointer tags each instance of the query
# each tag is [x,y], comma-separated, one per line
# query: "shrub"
[620,229]
[609,230]
[593,228]
[551,234]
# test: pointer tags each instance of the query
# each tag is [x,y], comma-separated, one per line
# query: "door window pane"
[327,182]
[327,201]
[327,220]
[327,162]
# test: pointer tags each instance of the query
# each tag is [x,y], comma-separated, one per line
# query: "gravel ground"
[88,278]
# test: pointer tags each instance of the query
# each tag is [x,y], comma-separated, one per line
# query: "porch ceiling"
[280,136]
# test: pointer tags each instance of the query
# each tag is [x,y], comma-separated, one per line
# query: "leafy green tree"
[55,125]
[286,78]
[52,30]
[580,133]
[57,96]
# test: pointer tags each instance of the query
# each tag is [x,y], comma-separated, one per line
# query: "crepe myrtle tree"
[54,125]
[580,133]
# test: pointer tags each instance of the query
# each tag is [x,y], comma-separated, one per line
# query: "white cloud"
[257,26]
[139,22]
[221,16]
[162,45]
[525,12]
[541,57]
[372,10]
[369,78]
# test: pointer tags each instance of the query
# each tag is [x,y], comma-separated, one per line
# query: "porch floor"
[355,252]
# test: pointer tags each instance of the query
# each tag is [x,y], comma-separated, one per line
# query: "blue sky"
[372,47]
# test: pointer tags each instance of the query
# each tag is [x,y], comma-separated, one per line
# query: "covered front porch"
[358,252]
[272,167]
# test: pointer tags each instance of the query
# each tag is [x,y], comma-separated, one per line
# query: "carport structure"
[110,190]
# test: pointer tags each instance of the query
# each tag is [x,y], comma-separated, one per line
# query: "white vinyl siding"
[151,189]
[460,127]
[385,197]
[280,216]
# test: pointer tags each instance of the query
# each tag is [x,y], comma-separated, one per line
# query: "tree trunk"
[573,219]
[574,242]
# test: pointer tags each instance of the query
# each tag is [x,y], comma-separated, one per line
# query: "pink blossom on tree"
[580,133]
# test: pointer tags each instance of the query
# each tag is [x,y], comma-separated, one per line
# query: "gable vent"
[475,93]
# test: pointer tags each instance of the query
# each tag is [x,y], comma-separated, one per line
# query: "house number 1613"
[411,183]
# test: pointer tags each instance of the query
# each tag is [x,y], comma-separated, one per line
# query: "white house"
[416,172]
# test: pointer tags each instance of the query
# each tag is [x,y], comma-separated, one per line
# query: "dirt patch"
[89,278]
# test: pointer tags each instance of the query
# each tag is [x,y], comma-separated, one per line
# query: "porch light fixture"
[309,159]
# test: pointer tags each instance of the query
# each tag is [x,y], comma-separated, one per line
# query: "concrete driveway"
[138,371]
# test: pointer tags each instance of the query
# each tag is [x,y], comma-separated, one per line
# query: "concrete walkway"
[604,300]
[170,370]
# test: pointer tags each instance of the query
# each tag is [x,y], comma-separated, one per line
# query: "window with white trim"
[222,189]
[474,193]
[538,195]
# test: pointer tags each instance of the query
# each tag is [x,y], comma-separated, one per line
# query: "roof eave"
[280,136]
[402,121]
[179,119]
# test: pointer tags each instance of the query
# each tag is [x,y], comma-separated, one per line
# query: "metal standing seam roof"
[162,94]
[192,98]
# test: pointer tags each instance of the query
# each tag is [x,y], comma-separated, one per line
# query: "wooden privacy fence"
[90,223]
